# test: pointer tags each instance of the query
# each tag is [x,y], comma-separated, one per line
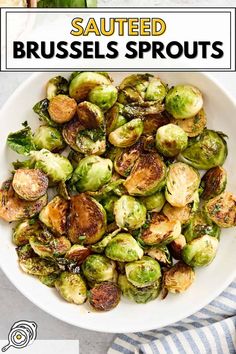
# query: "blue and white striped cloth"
[209,331]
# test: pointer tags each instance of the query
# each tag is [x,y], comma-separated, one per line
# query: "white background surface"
[13,305]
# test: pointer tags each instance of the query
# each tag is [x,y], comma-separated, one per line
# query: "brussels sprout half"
[104,296]
[78,253]
[174,213]
[160,254]
[100,246]
[137,81]
[57,167]
[171,140]
[62,108]
[86,222]
[160,231]
[213,182]
[155,202]
[54,248]
[24,230]
[181,184]
[98,268]
[90,115]
[124,248]
[91,141]
[128,134]
[143,109]
[156,90]
[129,95]
[144,272]
[56,86]
[41,108]
[126,158]
[192,126]
[222,209]
[71,287]
[178,278]
[48,138]
[114,118]
[92,173]
[139,295]
[35,265]
[12,208]
[30,184]
[70,132]
[129,213]
[183,101]
[84,82]
[152,122]
[200,251]
[54,215]
[177,246]
[200,225]
[147,175]
[206,151]
[104,96]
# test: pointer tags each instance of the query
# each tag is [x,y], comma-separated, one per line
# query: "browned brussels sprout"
[192,126]
[54,215]
[30,184]
[178,278]
[78,253]
[24,230]
[114,118]
[70,132]
[177,246]
[160,231]
[213,182]
[147,175]
[222,209]
[174,213]
[90,115]
[71,287]
[12,208]
[86,222]
[104,296]
[62,108]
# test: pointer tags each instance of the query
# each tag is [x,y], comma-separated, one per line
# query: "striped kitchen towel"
[209,331]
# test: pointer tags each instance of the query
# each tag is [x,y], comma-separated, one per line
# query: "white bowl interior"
[128,316]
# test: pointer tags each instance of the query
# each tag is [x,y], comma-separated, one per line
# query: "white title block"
[164,39]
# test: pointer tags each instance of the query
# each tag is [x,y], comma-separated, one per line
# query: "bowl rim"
[144,327]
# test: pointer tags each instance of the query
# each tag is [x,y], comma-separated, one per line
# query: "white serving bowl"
[127,316]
